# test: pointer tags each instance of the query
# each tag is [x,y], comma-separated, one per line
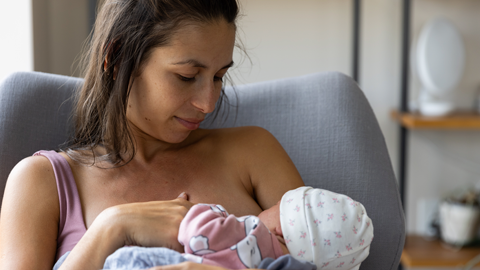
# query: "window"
[16,42]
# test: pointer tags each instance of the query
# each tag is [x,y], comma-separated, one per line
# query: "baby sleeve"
[211,236]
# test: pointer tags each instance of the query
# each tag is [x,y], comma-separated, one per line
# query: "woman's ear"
[105,62]
[115,71]
[115,68]
[111,50]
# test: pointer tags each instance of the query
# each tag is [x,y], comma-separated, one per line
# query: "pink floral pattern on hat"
[339,222]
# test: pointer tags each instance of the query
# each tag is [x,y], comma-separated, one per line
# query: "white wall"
[60,28]
[288,38]
[16,47]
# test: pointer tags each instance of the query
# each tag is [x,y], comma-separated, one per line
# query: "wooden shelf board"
[458,120]
[419,252]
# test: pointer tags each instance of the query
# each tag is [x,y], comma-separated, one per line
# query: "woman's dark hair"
[124,35]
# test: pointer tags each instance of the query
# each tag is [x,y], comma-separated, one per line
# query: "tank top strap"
[71,225]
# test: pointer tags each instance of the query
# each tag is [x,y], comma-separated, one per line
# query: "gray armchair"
[322,120]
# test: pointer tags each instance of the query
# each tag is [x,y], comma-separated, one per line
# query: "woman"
[155,70]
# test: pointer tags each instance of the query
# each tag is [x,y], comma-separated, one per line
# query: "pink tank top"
[71,226]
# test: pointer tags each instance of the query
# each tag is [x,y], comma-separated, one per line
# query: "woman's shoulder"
[250,142]
[33,173]
[245,134]
[32,181]
[237,140]
[30,198]
[37,165]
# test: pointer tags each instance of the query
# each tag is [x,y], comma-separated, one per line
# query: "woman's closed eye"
[189,79]
[186,79]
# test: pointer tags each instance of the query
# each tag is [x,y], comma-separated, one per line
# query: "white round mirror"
[440,57]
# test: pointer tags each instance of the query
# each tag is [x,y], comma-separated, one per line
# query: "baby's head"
[321,226]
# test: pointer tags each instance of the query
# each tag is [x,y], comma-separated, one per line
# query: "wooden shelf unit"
[458,120]
[419,252]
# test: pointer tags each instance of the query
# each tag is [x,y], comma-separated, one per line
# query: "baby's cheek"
[278,228]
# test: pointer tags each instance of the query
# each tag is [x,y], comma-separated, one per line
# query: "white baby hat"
[328,229]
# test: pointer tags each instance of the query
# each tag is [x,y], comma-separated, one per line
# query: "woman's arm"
[29,216]
[150,224]
[272,172]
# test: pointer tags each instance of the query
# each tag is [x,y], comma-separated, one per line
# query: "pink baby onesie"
[212,236]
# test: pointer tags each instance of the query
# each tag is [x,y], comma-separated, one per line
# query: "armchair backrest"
[34,114]
[323,121]
[328,128]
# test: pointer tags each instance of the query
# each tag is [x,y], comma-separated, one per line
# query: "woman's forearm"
[100,240]
[148,224]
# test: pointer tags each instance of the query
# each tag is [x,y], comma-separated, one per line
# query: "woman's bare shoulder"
[30,215]
[249,142]
[31,179]
[237,142]
[245,134]
[36,167]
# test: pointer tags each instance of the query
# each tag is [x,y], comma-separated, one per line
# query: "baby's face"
[271,219]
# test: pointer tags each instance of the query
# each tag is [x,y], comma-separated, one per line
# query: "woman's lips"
[191,124]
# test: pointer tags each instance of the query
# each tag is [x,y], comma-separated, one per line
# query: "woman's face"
[181,82]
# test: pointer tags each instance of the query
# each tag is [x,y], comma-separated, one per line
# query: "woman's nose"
[206,98]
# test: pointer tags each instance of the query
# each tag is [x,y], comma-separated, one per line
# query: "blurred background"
[286,38]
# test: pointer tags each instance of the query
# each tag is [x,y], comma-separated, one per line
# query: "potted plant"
[459,217]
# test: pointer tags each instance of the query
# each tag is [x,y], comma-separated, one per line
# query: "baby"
[307,229]
[327,229]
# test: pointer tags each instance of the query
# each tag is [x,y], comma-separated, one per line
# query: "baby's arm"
[208,227]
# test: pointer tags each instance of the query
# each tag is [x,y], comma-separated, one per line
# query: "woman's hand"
[152,223]
[144,224]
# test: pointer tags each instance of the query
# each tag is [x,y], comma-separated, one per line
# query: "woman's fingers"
[154,223]
[183,200]
[183,195]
